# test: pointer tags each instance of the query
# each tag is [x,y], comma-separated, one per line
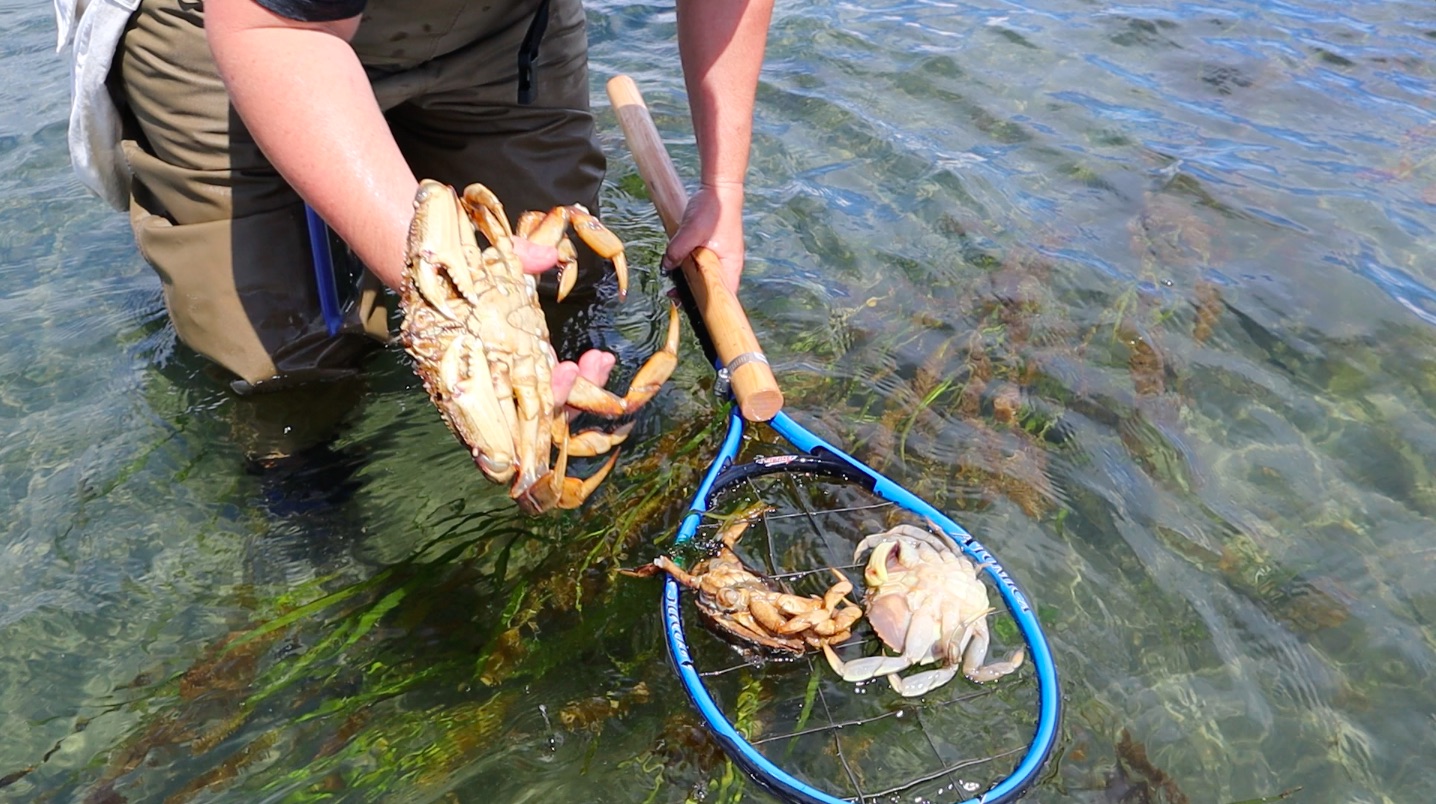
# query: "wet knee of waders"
[241,293]
[272,427]
[308,481]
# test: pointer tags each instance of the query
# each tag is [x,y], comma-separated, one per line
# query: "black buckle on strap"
[528,53]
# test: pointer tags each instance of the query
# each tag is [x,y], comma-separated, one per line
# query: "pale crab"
[743,606]
[480,343]
[924,601]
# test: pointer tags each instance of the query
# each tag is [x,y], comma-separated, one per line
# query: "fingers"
[535,258]
[595,366]
[732,265]
[564,376]
[592,365]
[713,219]
[698,228]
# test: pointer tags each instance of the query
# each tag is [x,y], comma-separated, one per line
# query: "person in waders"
[228,128]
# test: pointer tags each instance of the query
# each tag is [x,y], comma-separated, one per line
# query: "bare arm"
[304,96]
[722,44]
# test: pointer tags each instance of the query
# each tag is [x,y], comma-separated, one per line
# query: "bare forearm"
[722,43]
[304,97]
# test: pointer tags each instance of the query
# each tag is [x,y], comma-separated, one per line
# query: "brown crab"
[740,604]
[926,602]
[473,324]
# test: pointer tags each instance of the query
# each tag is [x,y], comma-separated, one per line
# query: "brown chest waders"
[231,241]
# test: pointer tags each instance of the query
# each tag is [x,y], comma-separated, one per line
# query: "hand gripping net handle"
[749,374]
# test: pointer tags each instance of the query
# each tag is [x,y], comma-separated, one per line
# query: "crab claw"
[603,242]
[476,413]
[646,383]
[437,233]
[567,268]
[547,229]
[555,489]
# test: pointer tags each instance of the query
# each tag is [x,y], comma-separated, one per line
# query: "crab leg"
[770,617]
[920,683]
[807,621]
[576,490]
[867,667]
[839,627]
[547,229]
[679,574]
[650,378]
[532,440]
[743,625]
[590,443]
[974,654]
[862,669]
[555,488]
[568,270]
[603,242]
[923,630]
[837,591]
[487,213]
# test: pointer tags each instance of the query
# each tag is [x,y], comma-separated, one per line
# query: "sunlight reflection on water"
[1144,292]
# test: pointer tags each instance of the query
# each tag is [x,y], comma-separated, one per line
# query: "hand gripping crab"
[740,604]
[473,324]
[925,602]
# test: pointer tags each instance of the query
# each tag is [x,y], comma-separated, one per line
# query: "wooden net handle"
[754,385]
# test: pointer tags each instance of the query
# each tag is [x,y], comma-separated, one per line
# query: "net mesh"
[860,742]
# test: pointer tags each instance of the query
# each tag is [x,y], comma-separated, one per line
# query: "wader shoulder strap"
[528,53]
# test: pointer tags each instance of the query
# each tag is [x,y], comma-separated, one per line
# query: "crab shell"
[926,603]
[473,324]
[745,608]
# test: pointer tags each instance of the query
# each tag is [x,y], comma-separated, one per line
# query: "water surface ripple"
[1143,293]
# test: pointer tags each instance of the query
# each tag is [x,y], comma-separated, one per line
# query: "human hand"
[593,365]
[713,219]
[536,258]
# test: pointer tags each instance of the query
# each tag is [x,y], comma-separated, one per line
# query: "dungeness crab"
[473,324]
[925,602]
[740,604]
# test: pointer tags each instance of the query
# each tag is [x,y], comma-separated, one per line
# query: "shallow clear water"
[1194,240]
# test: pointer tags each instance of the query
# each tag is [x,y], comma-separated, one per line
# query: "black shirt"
[330,10]
[315,10]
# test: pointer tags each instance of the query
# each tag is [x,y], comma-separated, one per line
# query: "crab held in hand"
[473,325]
[926,603]
[742,606]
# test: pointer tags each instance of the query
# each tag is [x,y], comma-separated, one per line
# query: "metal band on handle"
[744,359]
